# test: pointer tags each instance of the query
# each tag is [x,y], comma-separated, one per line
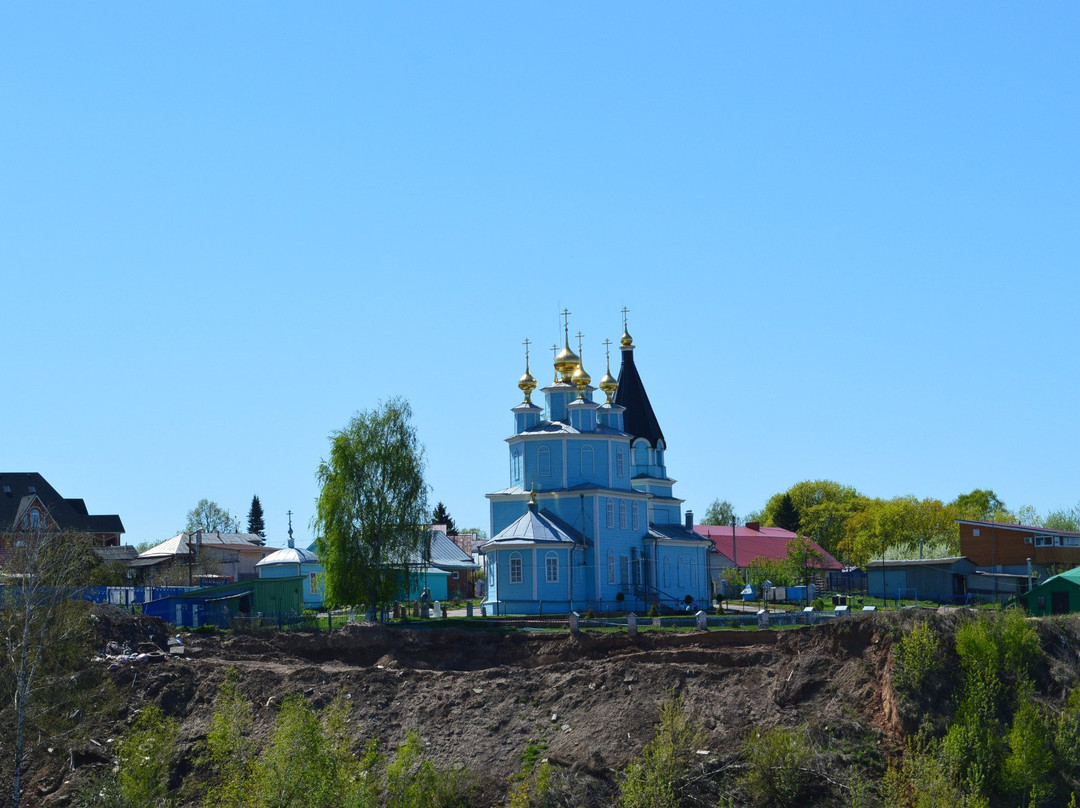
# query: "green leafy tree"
[371,514]
[1030,759]
[441,516]
[982,505]
[804,559]
[719,513]
[899,528]
[209,517]
[776,766]
[823,507]
[1063,519]
[255,521]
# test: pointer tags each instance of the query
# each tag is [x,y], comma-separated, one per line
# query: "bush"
[145,756]
[776,762]
[917,655]
[660,776]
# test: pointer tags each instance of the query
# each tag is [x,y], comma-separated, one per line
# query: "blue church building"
[589,519]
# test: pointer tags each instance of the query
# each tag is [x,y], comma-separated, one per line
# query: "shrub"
[917,656]
[659,777]
[776,762]
[1030,760]
[145,757]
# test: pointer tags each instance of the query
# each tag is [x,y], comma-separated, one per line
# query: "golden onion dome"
[609,385]
[626,341]
[527,384]
[581,379]
[567,362]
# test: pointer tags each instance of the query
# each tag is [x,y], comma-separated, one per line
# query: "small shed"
[268,597]
[944,580]
[1057,595]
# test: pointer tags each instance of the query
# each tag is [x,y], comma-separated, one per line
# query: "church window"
[635,567]
[624,570]
[515,465]
[610,513]
[610,567]
[641,453]
[313,583]
[551,567]
[620,463]
[517,574]
[622,514]
[637,517]
[543,461]
[588,460]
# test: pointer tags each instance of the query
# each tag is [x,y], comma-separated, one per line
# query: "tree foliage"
[255,521]
[145,758]
[209,517]
[441,516]
[371,515]
[44,635]
[659,778]
[719,513]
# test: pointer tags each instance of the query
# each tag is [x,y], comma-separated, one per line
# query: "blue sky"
[846,233]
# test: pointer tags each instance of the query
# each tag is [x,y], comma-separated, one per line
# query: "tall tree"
[44,635]
[786,515]
[371,515]
[256,524]
[209,517]
[804,559]
[823,506]
[719,513]
[982,505]
[441,516]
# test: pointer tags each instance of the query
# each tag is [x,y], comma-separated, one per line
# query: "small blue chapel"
[589,519]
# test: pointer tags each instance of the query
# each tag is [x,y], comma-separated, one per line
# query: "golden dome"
[607,382]
[567,362]
[626,341]
[581,380]
[527,383]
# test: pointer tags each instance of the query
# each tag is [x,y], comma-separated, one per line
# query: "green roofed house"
[1057,595]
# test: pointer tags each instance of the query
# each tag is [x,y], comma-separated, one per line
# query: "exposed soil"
[480,697]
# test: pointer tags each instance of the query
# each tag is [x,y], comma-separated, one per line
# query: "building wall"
[995,546]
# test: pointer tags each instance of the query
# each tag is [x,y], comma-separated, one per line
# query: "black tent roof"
[639,419]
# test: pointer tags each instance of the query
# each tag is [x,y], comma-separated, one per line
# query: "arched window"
[543,461]
[622,514]
[551,567]
[611,567]
[588,460]
[641,454]
[610,513]
[517,573]
[35,518]
[637,517]
[620,462]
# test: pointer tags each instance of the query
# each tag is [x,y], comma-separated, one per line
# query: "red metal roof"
[765,542]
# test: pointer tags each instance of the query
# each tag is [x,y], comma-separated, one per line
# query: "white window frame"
[622,514]
[551,567]
[517,569]
[620,462]
[610,513]
[611,567]
[637,517]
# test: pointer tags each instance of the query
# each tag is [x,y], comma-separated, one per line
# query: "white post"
[574,622]
[702,621]
[631,625]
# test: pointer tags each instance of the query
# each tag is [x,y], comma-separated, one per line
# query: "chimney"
[689,520]
[754,526]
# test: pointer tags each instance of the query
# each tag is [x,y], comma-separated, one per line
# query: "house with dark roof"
[589,519]
[29,502]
